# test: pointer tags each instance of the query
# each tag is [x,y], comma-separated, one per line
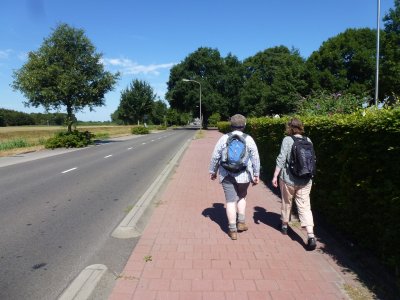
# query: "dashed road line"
[108,156]
[69,170]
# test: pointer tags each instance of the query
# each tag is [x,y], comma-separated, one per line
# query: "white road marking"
[130,148]
[66,171]
[108,156]
[143,143]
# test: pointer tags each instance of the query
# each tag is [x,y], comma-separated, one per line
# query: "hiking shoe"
[284,230]
[232,235]
[242,226]
[311,244]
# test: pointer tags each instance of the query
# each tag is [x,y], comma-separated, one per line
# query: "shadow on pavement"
[273,220]
[217,213]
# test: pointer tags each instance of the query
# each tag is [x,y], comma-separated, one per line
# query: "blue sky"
[143,39]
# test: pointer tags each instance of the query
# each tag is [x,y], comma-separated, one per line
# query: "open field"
[33,137]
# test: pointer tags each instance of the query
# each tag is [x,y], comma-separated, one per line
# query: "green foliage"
[224,126]
[70,139]
[12,144]
[161,127]
[214,119]
[345,63]
[15,118]
[10,117]
[137,100]
[159,112]
[274,82]
[220,80]
[357,179]
[65,72]
[140,130]
[323,103]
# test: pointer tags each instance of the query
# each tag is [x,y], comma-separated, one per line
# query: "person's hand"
[256,180]
[213,176]
[275,181]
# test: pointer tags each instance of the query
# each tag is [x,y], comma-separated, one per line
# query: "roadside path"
[185,252]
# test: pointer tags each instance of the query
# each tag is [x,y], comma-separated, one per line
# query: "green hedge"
[357,186]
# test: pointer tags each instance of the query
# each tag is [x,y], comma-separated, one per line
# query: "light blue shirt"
[253,167]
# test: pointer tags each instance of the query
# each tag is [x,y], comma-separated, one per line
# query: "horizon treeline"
[9,117]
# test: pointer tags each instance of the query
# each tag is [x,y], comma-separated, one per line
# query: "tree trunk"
[70,119]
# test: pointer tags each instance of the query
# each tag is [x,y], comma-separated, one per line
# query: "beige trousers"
[301,195]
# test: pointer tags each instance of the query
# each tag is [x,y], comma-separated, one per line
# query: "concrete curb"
[127,228]
[84,283]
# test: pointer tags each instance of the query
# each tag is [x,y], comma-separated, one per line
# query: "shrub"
[140,130]
[73,139]
[214,119]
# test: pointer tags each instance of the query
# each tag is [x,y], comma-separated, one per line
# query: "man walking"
[236,159]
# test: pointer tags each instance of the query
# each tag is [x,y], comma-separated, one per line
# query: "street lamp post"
[377,53]
[187,80]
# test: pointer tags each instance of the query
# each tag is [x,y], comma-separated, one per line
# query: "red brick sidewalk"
[185,252]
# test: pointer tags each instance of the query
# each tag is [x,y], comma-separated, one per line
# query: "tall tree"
[159,112]
[205,66]
[345,63]
[275,81]
[65,71]
[137,101]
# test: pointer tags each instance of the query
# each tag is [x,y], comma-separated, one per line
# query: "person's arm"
[215,158]
[255,160]
[275,178]
[280,162]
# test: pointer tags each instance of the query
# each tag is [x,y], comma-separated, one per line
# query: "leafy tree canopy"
[275,81]
[345,63]
[220,79]
[65,72]
[137,102]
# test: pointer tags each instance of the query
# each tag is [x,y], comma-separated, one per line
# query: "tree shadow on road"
[217,213]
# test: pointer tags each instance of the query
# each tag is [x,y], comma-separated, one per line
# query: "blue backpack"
[235,155]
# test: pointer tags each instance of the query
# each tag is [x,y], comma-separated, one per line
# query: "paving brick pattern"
[185,252]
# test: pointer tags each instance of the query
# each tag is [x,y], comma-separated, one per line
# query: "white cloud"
[23,56]
[5,53]
[127,66]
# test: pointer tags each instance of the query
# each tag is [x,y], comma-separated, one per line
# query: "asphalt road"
[57,213]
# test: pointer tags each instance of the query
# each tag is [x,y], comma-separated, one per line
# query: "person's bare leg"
[241,207]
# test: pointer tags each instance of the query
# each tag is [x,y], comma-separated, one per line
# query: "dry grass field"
[33,137]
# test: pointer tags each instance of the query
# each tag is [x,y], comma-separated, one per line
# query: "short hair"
[238,121]
[294,126]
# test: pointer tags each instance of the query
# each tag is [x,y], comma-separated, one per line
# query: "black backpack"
[235,156]
[302,158]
